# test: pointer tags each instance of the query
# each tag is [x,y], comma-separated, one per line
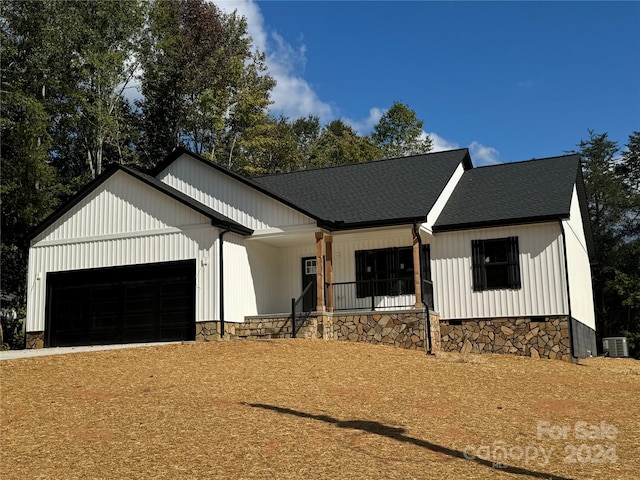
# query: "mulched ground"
[316,410]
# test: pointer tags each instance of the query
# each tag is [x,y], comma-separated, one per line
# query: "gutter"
[566,273]
[221,285]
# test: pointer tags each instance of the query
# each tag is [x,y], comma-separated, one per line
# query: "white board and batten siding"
[124,222]
[542,273]
[579,267]
[254,279]
[229,196]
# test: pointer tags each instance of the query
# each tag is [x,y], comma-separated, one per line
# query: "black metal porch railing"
[373,294]
[297,305]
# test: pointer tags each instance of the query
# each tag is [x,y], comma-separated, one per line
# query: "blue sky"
[510,80]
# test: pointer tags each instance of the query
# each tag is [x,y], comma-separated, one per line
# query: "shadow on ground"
[398,434]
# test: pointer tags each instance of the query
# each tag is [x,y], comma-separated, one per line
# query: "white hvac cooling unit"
[615,346]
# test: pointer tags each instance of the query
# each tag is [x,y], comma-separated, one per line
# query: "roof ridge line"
[329,167]
[515,162]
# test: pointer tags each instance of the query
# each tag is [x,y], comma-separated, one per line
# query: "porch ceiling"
[291,237]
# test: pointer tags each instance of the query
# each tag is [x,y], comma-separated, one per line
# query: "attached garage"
[140,303]
[129,259]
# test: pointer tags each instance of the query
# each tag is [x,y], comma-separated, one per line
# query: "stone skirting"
[210,331]
[537,337]
[34,340]
[269,326]
[404,328]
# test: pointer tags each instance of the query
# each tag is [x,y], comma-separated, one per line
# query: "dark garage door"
[140,303]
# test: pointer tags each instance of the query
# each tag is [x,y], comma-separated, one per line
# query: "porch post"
[319,272]
[328,239]
[417,281]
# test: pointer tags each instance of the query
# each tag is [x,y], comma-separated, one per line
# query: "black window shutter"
[513,260]
[361,274]
[425,260]
[361,264]
[477,258]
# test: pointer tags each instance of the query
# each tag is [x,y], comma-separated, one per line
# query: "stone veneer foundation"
[537,337]
[267,326]
[403,328]
[34,340]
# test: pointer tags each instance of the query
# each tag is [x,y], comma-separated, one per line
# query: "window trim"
[479,264]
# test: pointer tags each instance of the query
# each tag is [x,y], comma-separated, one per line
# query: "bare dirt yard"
[316,410]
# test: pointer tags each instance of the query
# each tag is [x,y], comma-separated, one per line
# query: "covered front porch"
[379,279]
[325,285]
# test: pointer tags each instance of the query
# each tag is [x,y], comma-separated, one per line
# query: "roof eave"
[391,222]
[499,223]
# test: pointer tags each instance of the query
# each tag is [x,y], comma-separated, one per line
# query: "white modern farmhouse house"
[419,252]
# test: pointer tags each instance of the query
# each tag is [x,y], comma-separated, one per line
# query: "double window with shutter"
[496,264]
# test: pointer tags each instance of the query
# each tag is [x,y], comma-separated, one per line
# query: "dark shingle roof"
[533,190]
[384,192]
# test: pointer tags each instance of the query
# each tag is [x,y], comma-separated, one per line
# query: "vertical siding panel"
[541,268]
[230,197]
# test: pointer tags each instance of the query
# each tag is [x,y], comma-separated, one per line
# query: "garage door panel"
[122,305]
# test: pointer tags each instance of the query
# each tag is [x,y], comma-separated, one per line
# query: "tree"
[306,132]
[399,132]
[339,144]
[27,184]
[614,209]
[203,86]
[629,169]
[268,147]
[104,63]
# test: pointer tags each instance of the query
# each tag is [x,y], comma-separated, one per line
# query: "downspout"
[566,273]
[221,285]
[416,231]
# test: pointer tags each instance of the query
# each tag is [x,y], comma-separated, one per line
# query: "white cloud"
[480,154]
[440,144]
[365,126]
[483,155]
[292,96]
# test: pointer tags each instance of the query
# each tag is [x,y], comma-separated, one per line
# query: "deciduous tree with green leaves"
[203,85]
[399,133]
[339,144]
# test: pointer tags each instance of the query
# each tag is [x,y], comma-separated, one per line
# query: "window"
[385,271]
[495,264]
[310,266]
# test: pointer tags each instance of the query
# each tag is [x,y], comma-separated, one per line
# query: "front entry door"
[310,299]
